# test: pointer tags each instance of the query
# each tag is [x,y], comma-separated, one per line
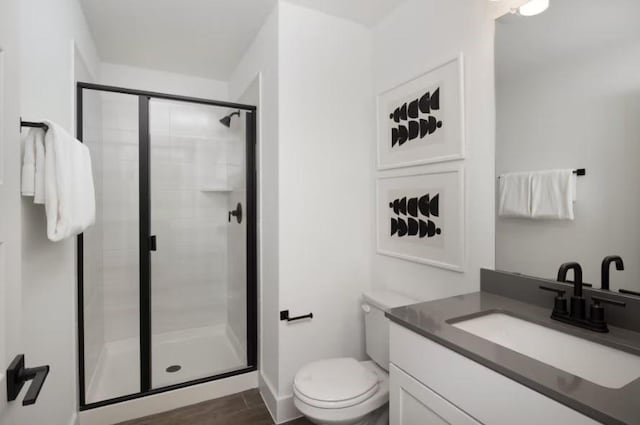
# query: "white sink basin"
[589,360]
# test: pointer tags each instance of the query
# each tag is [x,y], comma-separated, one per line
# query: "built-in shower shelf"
[216,189]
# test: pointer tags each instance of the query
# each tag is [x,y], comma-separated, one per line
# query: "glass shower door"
[198,204]
[109,280]
[167,275]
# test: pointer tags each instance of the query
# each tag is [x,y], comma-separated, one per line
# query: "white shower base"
[200,352]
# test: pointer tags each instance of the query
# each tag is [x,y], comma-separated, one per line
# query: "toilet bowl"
[342,391]
[345,391]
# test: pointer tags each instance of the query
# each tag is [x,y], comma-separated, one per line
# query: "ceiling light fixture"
[533,7]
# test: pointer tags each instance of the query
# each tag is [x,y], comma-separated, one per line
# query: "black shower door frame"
[145,244]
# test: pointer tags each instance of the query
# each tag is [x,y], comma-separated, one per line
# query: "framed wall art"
[422,121]
[420,217]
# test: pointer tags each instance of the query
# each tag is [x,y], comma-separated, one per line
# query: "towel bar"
[577,172]
[32,124]
[284,315]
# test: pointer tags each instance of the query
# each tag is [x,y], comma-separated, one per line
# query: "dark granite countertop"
[610,406]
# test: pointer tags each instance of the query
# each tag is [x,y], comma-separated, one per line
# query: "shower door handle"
[152,243]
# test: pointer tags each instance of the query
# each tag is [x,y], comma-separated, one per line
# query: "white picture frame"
[441,244]
[421,121]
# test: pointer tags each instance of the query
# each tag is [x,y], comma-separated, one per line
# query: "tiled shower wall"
[120,212]
[189,206]
[197,176]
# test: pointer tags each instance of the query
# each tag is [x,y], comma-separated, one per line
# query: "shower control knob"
[237,213]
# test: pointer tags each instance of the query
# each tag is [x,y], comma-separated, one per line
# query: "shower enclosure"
[167,275]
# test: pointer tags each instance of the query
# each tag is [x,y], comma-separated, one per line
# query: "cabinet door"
[412,403]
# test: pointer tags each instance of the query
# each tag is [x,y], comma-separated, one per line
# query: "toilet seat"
[371,411]
[335,383]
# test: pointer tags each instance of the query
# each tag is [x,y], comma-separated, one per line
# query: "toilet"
[345,391]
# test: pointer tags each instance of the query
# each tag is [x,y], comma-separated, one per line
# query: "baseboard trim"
[281,408]
[74,419]
[268,395]
[287,410]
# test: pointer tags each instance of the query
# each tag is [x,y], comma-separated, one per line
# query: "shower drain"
[174,368]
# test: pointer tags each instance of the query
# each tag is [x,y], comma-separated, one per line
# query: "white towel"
[33,165]
[39,190]
[514,195]
[69,192]
[552,194]
[27,187]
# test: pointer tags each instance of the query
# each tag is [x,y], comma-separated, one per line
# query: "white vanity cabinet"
[412,403]
[433,385]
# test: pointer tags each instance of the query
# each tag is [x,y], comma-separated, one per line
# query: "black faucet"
[577,302]
[605,269]
[576,315]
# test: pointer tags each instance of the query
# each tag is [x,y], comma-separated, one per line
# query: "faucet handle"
[560,292]
[597,300]
[596,318]
[560,303]
[628,292]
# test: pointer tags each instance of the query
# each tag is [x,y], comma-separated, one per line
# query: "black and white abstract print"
[420,217]
[416,119]
[415,217]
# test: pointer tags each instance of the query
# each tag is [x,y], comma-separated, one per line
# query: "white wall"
[317,144]
[163,82]
[10,223]
[578,111]
[316,122]
[326,128]
[417,36]
[48,269]
[261,61]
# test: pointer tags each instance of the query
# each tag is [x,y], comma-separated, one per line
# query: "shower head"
[226,121]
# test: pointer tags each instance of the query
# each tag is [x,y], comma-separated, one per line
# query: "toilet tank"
[374,305]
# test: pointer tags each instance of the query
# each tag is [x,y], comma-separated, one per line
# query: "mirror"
[568,96]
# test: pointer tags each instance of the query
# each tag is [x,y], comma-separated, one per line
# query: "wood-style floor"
[246,408]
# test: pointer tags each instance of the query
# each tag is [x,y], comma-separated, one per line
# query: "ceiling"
[204,38]
[568,29]
[366,12]
[195,37]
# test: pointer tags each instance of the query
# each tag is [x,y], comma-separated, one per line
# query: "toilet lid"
[340,382]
